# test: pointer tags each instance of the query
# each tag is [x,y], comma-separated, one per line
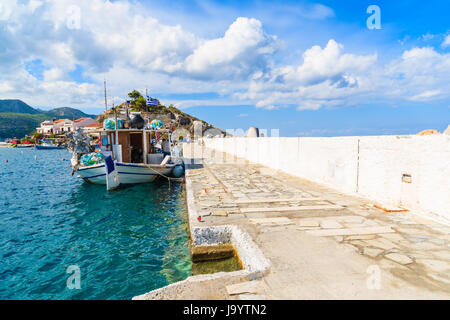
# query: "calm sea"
[124,243]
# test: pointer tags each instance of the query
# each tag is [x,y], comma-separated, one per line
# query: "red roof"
[81,119]
[58,121]
[94,125]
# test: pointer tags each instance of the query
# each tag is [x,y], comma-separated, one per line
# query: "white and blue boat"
[47,145]
[25,146]
[131,158]
[129,173]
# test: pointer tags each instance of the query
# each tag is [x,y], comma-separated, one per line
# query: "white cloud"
[426,95]
[53,74]
[328,63]
[123,42]
[328,77]
[319,11]
[446,42]
[239,53]
[419,74]
[324,76]
[113,36]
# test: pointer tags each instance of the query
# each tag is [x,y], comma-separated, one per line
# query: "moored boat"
[134,156]
[24,146]
[128,173]
[48,145]
[44,147]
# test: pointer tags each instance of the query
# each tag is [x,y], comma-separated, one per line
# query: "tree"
[134,94]
[138,103]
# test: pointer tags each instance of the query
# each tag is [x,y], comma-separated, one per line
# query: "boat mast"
[106,103]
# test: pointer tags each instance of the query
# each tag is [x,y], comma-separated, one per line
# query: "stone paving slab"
[399,258]
[271,221]
[330,224]
[271,200]
[283,209]
[350,231]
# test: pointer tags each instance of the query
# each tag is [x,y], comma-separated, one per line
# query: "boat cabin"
[135,145]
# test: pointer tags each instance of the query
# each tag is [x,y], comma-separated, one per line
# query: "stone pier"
[301,240]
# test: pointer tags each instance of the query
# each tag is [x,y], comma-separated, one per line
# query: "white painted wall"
[378,175]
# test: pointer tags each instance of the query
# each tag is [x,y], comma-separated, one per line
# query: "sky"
[307,68]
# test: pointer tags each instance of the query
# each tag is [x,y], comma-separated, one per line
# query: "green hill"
[16,106]
[68,113]
[19,124]
[18,119]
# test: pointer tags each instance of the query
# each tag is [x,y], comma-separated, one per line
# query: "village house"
[83,122]
[63,125]
[91,128]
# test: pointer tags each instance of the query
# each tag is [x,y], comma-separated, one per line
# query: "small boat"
[24,146]
[129,173]
[48,145]
[127,156]
[43,147]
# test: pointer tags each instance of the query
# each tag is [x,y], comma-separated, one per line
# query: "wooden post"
[145,145]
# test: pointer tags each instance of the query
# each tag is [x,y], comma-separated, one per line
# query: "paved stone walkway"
[322,244]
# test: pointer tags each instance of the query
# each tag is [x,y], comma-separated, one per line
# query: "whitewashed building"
[83,122]
[46,127]
[63,125]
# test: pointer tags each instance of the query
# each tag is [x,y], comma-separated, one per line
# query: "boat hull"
[25,146]
[48,147]
[128,173]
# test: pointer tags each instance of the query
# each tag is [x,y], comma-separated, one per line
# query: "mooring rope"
[168,178]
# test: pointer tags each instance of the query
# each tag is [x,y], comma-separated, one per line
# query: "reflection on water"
[125,242]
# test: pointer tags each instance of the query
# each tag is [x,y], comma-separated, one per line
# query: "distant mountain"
[68,113]
[16,106]
[18,119]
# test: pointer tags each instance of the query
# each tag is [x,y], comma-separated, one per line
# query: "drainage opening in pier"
[215,258]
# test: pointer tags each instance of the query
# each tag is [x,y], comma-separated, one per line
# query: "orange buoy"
[6,160]
[63,159]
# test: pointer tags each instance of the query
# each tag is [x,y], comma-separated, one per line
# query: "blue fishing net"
[92,158]
[109,124]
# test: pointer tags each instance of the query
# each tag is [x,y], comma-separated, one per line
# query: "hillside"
[16,106]
[19,124]
[18,119]
[68,113]
[171,116]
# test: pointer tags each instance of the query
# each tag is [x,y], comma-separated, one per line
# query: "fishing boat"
[48,145]
[128,156]
[128,173]
[24,146]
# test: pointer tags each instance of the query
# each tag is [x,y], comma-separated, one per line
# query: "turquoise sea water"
[125,242]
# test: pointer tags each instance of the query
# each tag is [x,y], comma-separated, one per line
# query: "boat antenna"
[106,103]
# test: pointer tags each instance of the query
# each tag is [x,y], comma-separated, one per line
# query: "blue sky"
[308,68]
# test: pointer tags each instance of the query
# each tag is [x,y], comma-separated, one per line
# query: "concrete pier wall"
[407,171]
